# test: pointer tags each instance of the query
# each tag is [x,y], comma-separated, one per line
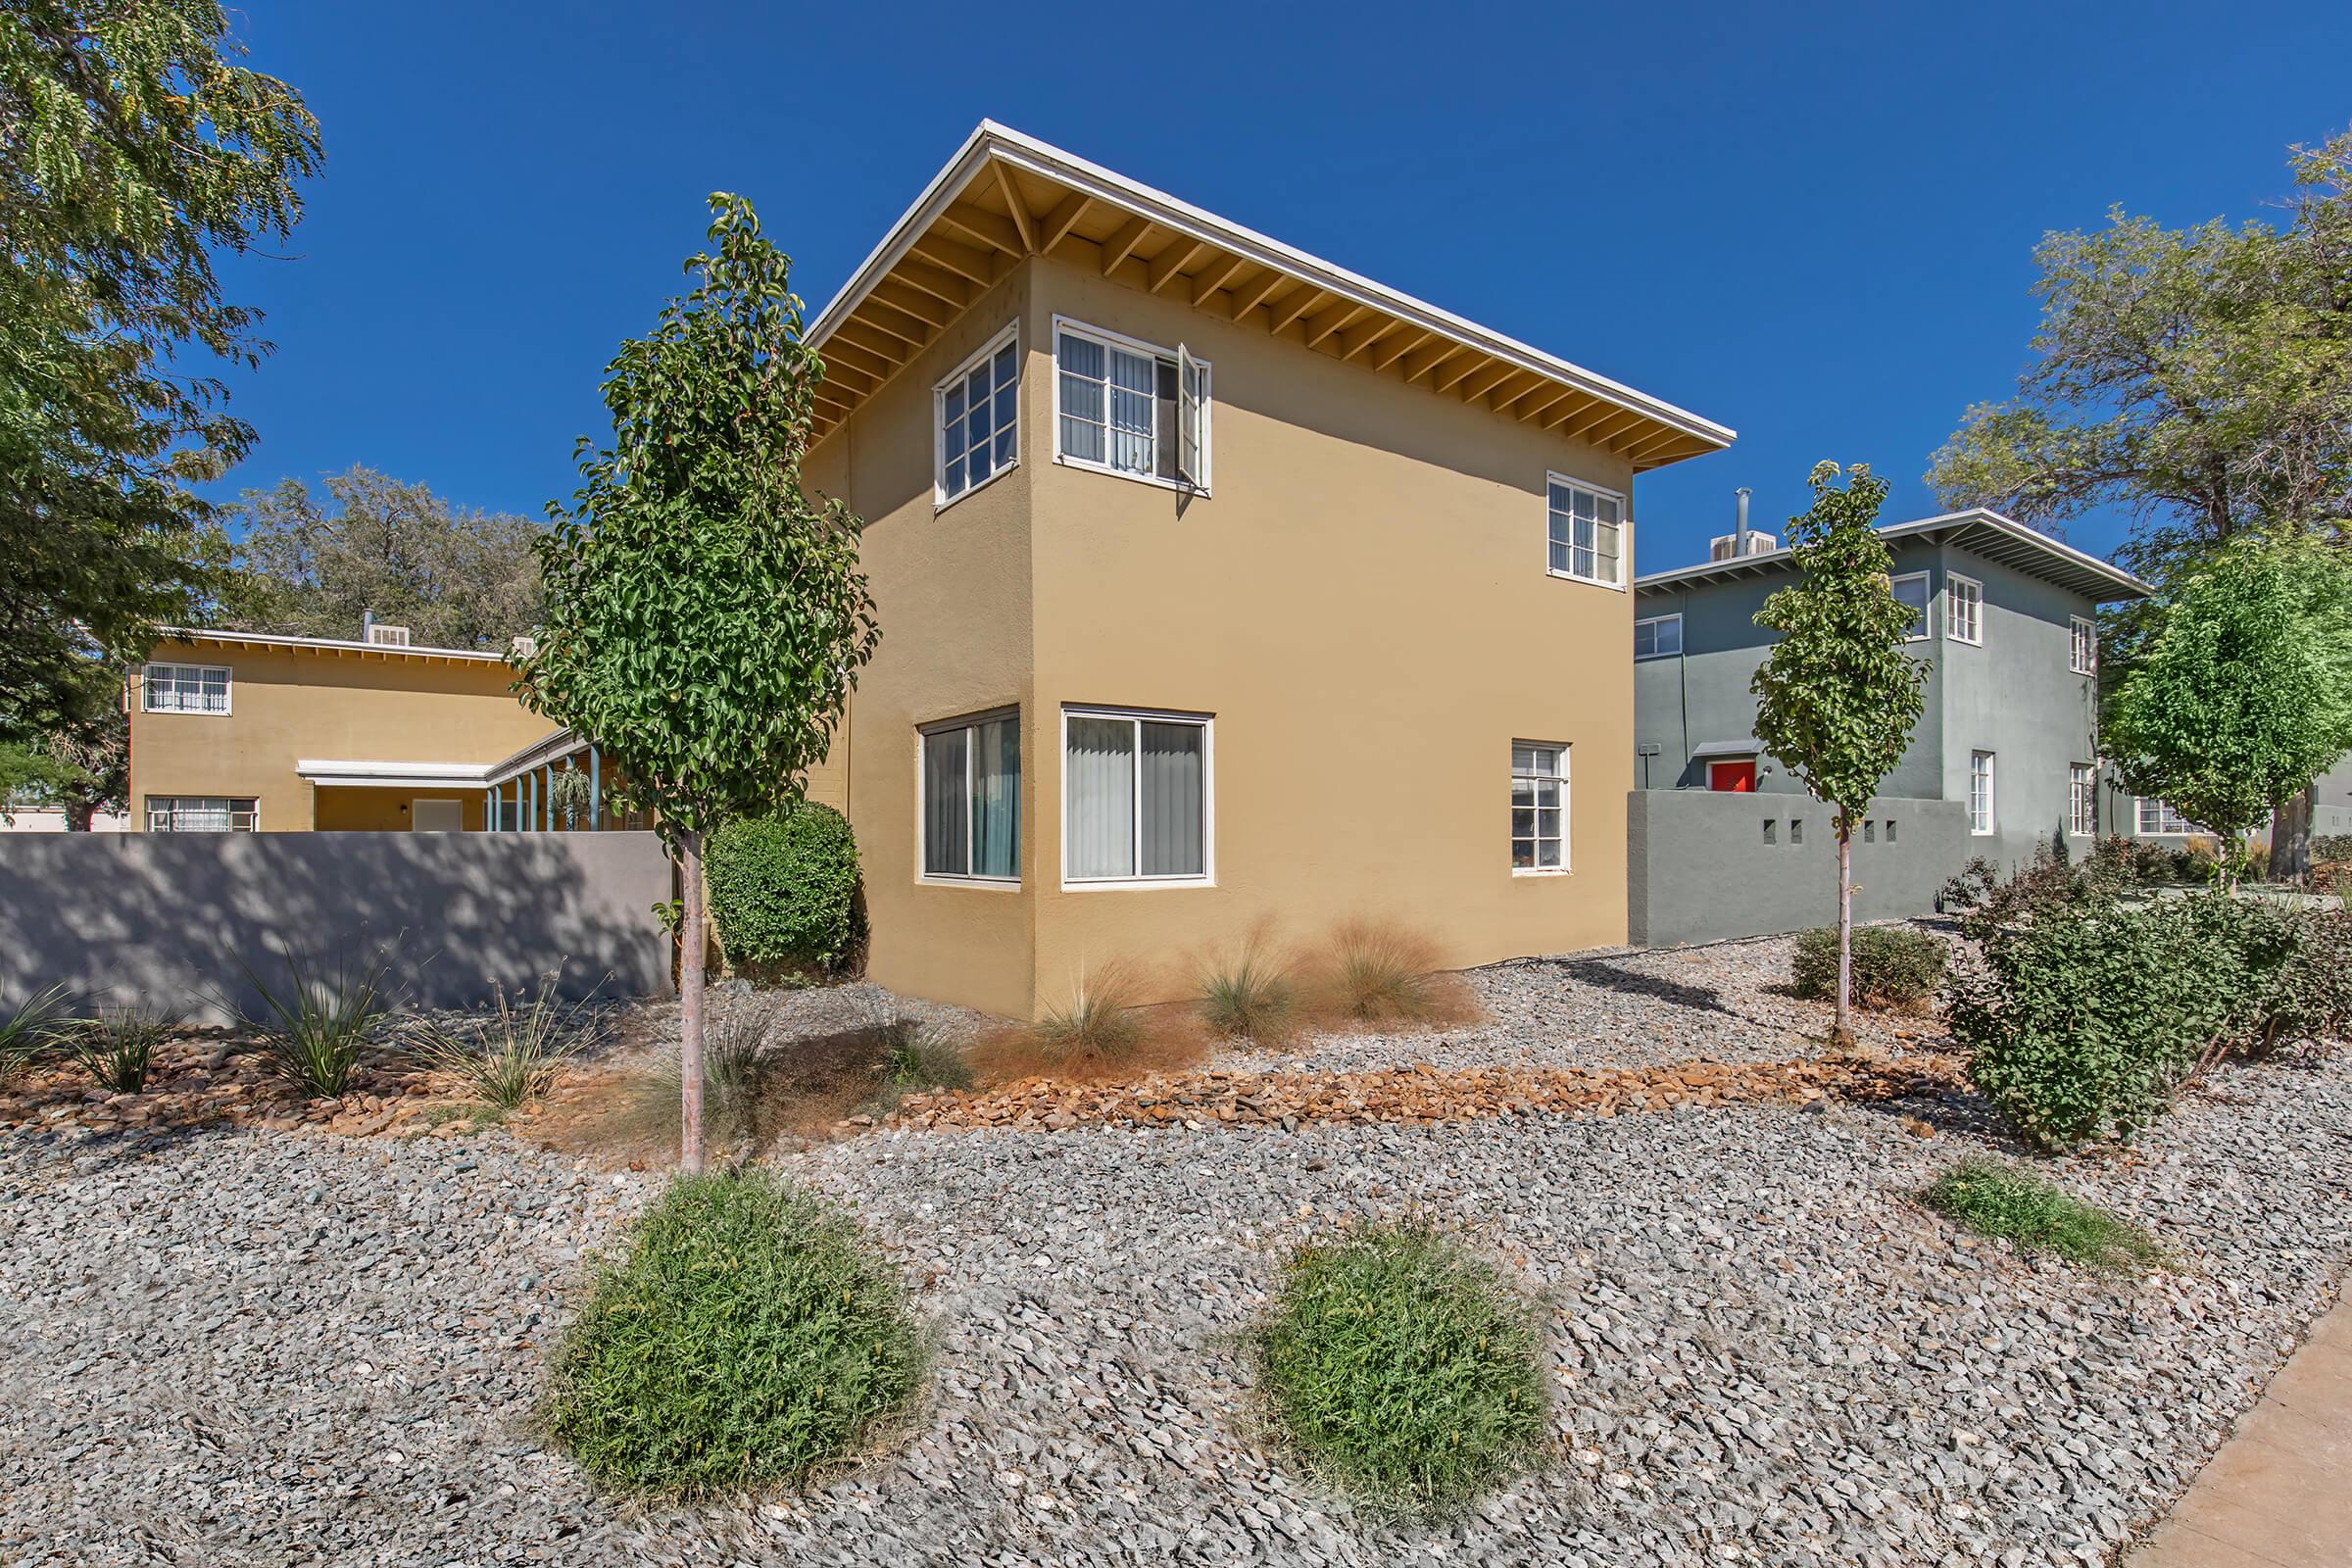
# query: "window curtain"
[1172,777]
[1134,411]
[997,799]
[1099,766]
[945,808]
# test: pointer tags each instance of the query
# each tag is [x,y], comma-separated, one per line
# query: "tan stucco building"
[1219,586]
[243,731]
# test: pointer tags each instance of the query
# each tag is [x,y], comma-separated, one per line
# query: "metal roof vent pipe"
[368,623]
[1739,532]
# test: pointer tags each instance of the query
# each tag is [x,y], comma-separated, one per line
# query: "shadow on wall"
[174,919]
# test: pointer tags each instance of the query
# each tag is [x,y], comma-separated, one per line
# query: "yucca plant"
[313,1028]
[116,1045]
[33,1028]
[514,1053]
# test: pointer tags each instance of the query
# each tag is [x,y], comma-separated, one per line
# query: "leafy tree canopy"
[312,565]
[131,147]
[2243,692]
[2200,379]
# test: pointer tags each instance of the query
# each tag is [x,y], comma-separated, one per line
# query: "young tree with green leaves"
[705,618]
[1836,696]
[2242,695]
[131,148]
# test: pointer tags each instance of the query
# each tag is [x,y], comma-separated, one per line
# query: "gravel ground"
[256,1348]
[1724,1002]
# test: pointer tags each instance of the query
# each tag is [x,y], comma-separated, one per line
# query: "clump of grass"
[1404,1371]
[313,1028]
[744,1340]
[1995,1199]
[513,1053]
[1251,998]
[914,1062]
[116,1046]
[1372,972]
[33,1027]
[743,1079]
[1097,1020]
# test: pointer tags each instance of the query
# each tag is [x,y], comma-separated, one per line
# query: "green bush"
[1895,965]
[2038,1215]
[33,1027]
[743,1340]
[784,887]
[1405,1370]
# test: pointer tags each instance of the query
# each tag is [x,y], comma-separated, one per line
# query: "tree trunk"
[78,815]
[2291,837]
[690,1004]
[1841,1034]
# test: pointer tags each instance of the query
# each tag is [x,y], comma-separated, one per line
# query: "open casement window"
[1538,807]
[971,806]
[1129,407]
[1911,591]
[977,417]
[2086,660]
[1135,797]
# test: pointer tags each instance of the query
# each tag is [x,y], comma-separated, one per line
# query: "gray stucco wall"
[170,920]
[1699,870]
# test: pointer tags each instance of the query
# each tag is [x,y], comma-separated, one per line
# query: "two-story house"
[1219,585]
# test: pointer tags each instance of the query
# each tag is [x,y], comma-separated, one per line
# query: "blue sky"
[1811,222]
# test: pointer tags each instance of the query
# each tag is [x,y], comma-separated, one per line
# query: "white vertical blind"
[997,799]
[1099,769]
[1170,828]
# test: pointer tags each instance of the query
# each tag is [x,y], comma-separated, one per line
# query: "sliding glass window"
[972,799]
[1136,802]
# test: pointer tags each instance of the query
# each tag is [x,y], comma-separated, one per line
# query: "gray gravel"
[255,1347]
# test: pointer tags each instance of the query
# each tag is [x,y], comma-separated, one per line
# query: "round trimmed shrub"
[784,887]
[744,1340]
[1895,965]
[1405,1370]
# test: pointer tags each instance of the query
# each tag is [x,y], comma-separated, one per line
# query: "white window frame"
[940,498]
[1567,753]
[1207,876]
[923,800]
[1926,604]
[2082,800]
[1625,533]
[173,807]
[1659,622]
[228,687]
[2083,656]
[2164,813]
[1188,366]
[1973,636]
[1989,823]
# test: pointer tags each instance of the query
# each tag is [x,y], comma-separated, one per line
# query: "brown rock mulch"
[1422,1095]
[208,1082]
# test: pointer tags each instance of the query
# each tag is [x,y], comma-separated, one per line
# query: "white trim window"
[185,689]
[1130,408]
[1980,793]
[1138,804]
[2157,819]
[1539,808]
[2082,800]
[1658,637]
[203,813]
[2086,660]
[976,419]
[1911,589]
[969,799]
[1586,535]
[1963,608]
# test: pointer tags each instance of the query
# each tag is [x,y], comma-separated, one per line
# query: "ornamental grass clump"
[32,1028]
[1097,1020]
[116,1045]
[313,1028]
[2036,1215]
[1251,998]
[1404,1371]
[512,1055]
[744,1341]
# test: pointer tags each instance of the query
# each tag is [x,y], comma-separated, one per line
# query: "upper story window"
[1130,408]
[978,417]
[1963,608]
[186,689]
[1135,797]
[971,808]
[2086,647]
[195,813]
[1588,533]
[1658,637]
[1912,589]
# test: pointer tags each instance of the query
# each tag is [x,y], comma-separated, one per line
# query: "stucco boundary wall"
[1700,867]
[173,921]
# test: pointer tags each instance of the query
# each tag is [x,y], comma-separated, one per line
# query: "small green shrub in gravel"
[1404,1371]
[784,887]
[1998,1200]
[1250,999]
[1895,965]
[744,1340]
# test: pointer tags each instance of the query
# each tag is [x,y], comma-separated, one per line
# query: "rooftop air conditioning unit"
[387,636]
[1726,546]
[523,647]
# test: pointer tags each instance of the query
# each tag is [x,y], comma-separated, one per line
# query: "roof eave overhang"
[339,773]
[2019,547]
[198,635]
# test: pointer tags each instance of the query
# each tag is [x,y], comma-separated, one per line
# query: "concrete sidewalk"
[2280,1493]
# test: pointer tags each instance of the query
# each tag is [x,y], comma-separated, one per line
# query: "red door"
[1738,778]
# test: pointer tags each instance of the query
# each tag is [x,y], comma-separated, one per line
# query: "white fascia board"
[393,775]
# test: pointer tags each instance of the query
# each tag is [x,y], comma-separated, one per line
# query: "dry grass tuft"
[1103,1032]
[1250,996]
[1371,971]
